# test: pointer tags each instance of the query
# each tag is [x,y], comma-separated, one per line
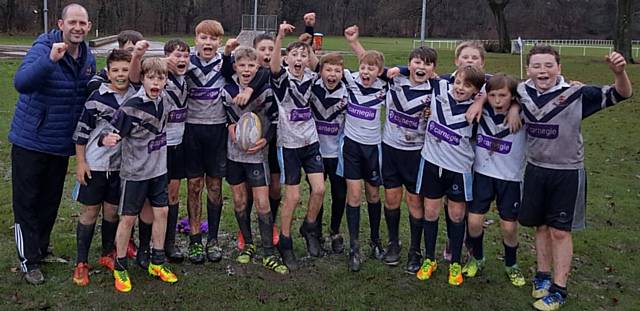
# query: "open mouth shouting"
[154,92]
[421,73]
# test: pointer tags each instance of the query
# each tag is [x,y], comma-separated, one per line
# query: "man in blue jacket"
[52,82]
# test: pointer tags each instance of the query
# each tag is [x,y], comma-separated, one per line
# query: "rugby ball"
[248,130]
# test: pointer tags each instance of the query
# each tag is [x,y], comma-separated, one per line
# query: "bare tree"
[622,37]
[497,8]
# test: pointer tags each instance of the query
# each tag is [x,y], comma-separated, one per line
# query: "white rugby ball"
[248,130]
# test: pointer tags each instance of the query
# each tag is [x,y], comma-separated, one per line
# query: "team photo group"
[446,146]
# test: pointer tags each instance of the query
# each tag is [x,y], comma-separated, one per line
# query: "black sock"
[375,215]
[457,240]
[195,238]
[392,217]
[555,288]
[157,256]
[108,236]
[265,224]
[477,245]
[285,242]
[249,209]
[241,217]
[337,211]
[121,263]
[353,223]
[430,237]
[84,235]
[319,221]
[213,217]
[543,275]
[448,221]
[172,220]
[144,234]
[510,257]
[274,204]
[416,227]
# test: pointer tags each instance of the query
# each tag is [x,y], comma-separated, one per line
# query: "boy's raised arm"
[351,34]
[617,65]
[136,60]
[275,63]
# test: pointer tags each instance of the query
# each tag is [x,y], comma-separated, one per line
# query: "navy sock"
[144,234]
[477,245]
[157,256]
[84,235]
[375,215]
[248,210]
[392,217]
[543,275]
[337,211]
[416,228]
[430,237]
[555,288]
[213,217]
[457,240]
[195,238]
[353,224]
[274,204]
[265,224]
[108,236]
[510,257]
[242,218]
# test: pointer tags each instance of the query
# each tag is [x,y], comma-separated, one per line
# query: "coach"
[52,83]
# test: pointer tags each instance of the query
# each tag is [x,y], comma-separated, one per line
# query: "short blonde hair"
[332,59]
[245,52]
[154,65]
[210,27]
[474,44]
[373,58]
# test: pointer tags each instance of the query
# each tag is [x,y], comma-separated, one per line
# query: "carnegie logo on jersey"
[361,112]
[545,131]
[300,114]
[177,116]
[327,128]
[426,100]
[403,120]
[157,143]
[444,133]
[493,144]
[204,93]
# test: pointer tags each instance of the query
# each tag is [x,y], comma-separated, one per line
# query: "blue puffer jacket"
[52,95]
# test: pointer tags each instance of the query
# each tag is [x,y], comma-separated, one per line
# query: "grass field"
[604,275]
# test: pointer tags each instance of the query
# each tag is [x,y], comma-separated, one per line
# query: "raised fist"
[57,51]
[352,33]
[232,44]
[285,28]
[140,48]
[616,62]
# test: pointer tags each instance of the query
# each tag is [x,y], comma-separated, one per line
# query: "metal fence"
[267,23]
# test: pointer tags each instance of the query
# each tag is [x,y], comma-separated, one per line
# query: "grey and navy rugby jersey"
[328,111]
[362,121]
[96,119]
[175,96]
[553,119]
[141,122]
[205,81]
[448,138]
[296,127]
[405,126]
[499,153]
[260,103]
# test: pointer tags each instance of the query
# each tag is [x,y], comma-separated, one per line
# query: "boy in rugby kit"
[554,179]
[498,171]
[298,145]
[328,102]
[446,166]
[361,147]
[249,168]
[140,124]
[402,140]
[97,168]
[176,52]
[205,139]
[127,40]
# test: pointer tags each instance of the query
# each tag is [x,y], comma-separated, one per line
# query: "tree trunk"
[497,8]
[189,16]
[10,14]
[622,38]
